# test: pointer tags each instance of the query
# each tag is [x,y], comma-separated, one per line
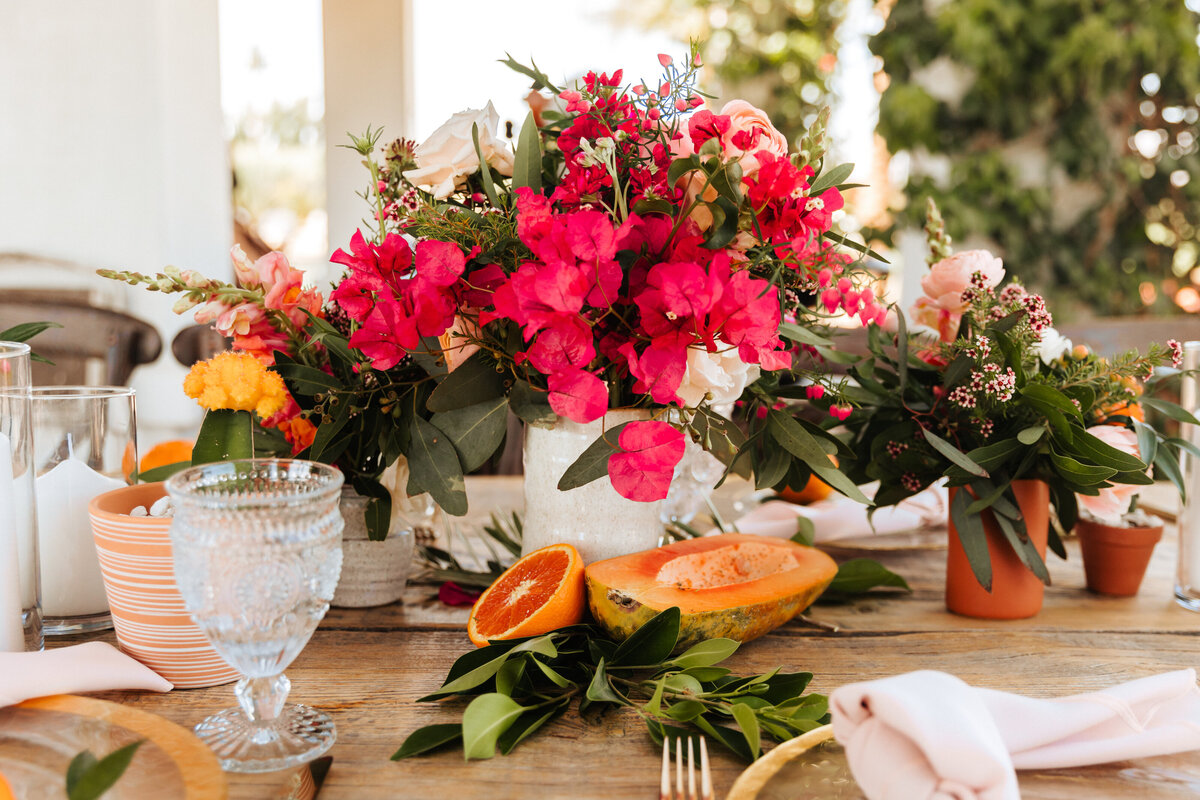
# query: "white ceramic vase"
[595,519]
[373,573]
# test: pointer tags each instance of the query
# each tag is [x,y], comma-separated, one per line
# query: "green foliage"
[1042,160]
[88,777]
[518,686]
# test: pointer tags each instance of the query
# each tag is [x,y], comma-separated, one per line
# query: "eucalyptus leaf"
[476,430]
[434,467]
[592,463]
[829,178]
[800,443]
[531,405]
[475,381]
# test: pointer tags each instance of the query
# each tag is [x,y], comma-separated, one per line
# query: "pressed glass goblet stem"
[262,699]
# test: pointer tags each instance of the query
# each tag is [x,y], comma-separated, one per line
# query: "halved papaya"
[733,585]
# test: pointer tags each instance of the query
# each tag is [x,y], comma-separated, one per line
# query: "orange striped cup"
[148,614]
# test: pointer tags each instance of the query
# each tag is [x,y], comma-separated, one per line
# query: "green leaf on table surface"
[972,536]
[747,720]
[859,576]
[784,688]
[476,430]
[433,467]
[88,779]
[527,162]
[806,532]
[224,435]
[528,723]
[531,405]
[475,381]
[600,690]
[161,473]
[510,673]
[705,653]
[487,716]
[956,456]
[829,178]
[733,740]
[592,463]
[800,443]
[652,642]
[431,737]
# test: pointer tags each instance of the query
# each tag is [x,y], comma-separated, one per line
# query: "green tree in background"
[1063,131]
[777,54]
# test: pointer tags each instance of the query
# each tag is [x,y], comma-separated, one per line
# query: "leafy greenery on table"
[518,686]
[88,777]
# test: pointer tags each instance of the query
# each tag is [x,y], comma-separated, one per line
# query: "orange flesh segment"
[519,593]
[726,566]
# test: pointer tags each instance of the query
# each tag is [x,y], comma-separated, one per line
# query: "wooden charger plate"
[39,737]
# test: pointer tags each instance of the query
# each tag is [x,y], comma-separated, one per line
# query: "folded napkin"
[90,667]
[839,517]
[929,735]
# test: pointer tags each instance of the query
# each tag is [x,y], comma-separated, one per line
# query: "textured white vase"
[595,519]
[373,573]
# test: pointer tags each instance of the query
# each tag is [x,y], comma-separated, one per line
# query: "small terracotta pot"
[1016,592]
[148,613]
[1115,559]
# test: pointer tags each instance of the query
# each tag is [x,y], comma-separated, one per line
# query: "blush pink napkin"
[90,667]
[839,517]
[929,735]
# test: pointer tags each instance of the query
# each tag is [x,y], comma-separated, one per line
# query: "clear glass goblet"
[257,550]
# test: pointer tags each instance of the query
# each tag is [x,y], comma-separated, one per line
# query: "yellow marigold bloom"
[236,381]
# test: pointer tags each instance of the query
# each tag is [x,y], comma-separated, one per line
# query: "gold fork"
[706,789]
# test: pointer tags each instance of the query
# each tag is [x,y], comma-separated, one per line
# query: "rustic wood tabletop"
[367,667]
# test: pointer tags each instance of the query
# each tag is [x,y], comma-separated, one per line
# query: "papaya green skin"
[620,615]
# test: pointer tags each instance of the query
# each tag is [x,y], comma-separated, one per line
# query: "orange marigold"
[235,381]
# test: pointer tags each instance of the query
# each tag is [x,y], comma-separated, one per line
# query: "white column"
[113,154]
[368,81]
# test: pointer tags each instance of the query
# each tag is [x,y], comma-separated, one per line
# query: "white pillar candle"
[70,570]
[12,636]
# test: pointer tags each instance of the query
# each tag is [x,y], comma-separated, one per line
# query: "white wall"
[112,154]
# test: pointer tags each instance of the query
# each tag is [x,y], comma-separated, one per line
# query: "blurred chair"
[1110,336]
[197,343]
[114,341]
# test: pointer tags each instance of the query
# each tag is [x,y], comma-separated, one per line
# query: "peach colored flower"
[1112,503]
[948,278]
[455,348]
[758,135]
[926,312]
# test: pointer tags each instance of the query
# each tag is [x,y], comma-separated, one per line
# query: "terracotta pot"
[1016,592]
[151,621]
[1115,559]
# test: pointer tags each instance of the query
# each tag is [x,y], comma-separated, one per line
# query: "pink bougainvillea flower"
[385,335]
[578,395]
[565,343]
[643,468]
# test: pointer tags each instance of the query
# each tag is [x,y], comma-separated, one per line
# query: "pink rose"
[1112,503]
[948,278]
[750,133]
[926,312]
[455,347]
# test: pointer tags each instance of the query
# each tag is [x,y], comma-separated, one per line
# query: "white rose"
[723,374]
[1053,346]
[446,158]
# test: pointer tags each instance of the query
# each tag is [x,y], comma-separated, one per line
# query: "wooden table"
[366,668]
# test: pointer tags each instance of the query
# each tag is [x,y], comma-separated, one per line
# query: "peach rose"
[762,135]
[455,347]
[447,157]
[948,278]
[926,312]
[1112,503]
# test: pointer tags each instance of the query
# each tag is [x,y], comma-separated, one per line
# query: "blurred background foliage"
[1060,133]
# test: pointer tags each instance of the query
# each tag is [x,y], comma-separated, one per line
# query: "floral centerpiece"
[986,401]
[635,250]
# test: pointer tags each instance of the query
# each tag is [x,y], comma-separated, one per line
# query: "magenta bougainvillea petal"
[643,468]
[578,395]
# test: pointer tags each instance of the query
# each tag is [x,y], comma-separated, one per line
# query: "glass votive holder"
[85,444]
[20,601]
[1187,575]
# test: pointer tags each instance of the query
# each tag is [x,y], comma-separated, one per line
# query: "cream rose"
[446,158]
[1112,503]
[723,374]
[948,278]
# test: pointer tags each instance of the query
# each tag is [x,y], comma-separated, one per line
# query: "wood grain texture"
[367,667]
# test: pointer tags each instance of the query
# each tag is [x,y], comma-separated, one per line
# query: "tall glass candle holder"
[20,601]
[1187,576]
[85,444]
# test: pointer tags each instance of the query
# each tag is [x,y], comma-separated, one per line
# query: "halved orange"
[6,792]
[542,592]
[815,490]
[165,453]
